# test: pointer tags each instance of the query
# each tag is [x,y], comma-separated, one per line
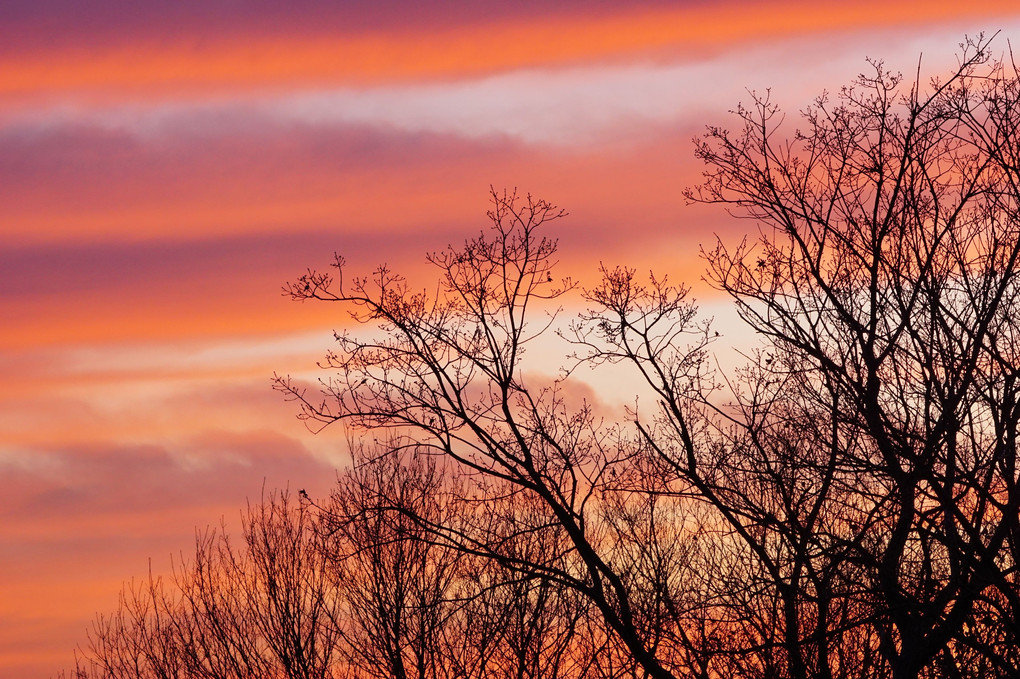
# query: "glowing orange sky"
[163,171]
[136,63]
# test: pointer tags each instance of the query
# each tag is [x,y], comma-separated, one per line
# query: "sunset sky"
[166,167]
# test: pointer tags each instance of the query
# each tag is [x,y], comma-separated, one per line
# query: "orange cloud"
[456,49]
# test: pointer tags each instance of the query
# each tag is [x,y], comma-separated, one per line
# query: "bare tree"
[885,285]
[446,378]
[227,613]
[138,641]
[396,587]
[857,485]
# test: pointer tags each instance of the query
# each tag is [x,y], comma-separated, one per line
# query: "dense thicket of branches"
[845,505]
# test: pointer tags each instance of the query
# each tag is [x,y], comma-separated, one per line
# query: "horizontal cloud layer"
[165,168]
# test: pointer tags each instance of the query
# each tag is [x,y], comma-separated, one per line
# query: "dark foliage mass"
[844,505]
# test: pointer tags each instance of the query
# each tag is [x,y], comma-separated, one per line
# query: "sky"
[166,167]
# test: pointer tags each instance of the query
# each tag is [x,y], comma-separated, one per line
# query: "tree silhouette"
[885,282]
[446,378]
[843,505]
